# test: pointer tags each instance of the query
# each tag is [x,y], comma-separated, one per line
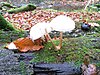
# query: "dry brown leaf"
[26,44]
[25,20]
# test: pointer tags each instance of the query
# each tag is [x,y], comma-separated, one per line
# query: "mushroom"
[39,30]
[62,24]
[36,32]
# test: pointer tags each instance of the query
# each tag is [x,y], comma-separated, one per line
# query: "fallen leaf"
[26,44]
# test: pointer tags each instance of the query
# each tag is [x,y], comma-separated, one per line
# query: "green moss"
[23,68]
[73,50]
[5,25]
[8,36]
[8,5]
[28,7]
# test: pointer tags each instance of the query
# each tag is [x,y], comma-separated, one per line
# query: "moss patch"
[73,50]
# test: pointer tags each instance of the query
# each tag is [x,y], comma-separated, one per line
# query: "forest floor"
[74,48]
[13,62]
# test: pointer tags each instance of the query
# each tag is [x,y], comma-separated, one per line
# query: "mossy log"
[5,5]
[28,7]
[5,25]
[8,5]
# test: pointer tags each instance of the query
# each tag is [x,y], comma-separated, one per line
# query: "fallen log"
[55,69]
[28,7]
[7,5]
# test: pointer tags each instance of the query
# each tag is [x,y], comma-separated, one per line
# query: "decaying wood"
[54,69]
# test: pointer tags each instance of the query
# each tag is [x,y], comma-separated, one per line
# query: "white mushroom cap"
[62,23]
[38,30]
